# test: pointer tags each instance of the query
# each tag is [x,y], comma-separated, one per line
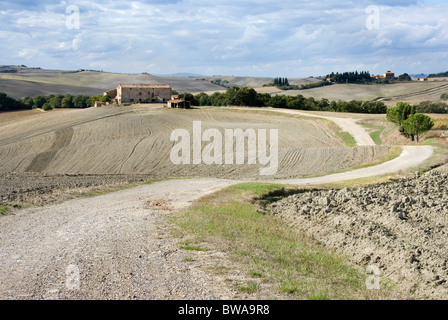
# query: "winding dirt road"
[114,246]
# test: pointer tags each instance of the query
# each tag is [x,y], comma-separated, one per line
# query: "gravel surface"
[116,243]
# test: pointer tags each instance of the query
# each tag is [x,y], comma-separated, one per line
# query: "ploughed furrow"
[43,160]
[291,159]
[136,146]
[439,89]
[315,161]
[25,135]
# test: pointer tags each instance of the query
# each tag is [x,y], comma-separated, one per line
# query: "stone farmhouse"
[140,93]
[389,75]
[176,102]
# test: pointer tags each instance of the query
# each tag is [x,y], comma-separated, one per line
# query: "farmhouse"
[389,75]
[140,93]
[176,102]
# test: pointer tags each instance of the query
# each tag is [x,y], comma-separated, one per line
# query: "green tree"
[400,113]
[47,106]
[56,101]
[404,77]
[416,125]
[190,98]
[38,102]
[67,101]
[247,97]
[28,102]
[203,99]
[278,101]
[106,98]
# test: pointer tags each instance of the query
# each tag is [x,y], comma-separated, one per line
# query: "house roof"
[149,85]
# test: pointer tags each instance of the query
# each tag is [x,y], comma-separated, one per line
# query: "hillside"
[136,140]
[19,82]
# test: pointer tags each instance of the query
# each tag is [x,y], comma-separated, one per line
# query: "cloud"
[265,38]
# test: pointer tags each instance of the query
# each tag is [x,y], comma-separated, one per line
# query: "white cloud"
[265,38]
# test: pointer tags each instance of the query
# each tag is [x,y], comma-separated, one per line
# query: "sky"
[288,38]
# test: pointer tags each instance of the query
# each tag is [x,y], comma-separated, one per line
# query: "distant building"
[175,102]
[386,76]
[422,79]
[140,93]
[389,76]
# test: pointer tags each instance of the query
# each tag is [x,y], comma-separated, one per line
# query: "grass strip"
[267,249]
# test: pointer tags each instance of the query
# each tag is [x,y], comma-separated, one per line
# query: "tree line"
[245,96]
[438,75]
[49,102]
[350,77]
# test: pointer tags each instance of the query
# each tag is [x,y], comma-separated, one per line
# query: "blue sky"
[289,38]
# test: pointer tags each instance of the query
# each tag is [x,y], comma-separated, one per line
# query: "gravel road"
[349,125]
[115,243]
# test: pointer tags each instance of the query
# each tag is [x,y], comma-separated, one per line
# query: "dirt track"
[115,242]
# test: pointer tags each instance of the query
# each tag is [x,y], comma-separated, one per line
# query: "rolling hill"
[20,82]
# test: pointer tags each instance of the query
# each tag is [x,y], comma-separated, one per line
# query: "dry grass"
[276,259]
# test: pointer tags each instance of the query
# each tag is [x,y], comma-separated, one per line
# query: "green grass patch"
[193,248]
[347,138]
[250,287]
[263,245]
[375,131]
[3,210]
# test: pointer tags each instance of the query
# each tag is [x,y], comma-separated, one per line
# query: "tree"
[67,101]
[56,101]
[106,98]
[416,125]
[38,102]
[278,101]
[190,98]
[203,99]
[232,96]
[400,113]
[404,77]
[27,102]
[247,97]
[47,106]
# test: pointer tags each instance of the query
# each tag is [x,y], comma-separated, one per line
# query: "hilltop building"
[140,93]
[389,75]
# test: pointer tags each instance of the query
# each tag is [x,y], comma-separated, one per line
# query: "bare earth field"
[136,140]
[400,228]
[46,158]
